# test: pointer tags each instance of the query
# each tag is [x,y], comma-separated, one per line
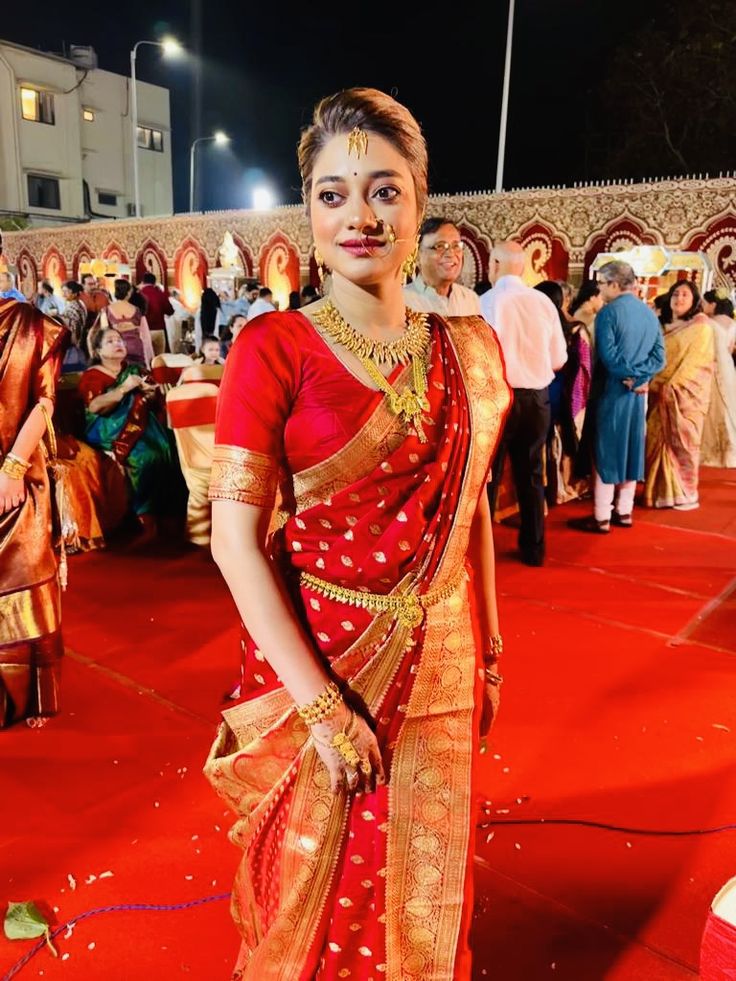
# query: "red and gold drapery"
[377,885]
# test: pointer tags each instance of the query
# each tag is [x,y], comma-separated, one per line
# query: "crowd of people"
[370,417]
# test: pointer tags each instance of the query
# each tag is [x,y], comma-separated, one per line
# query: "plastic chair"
[167,368]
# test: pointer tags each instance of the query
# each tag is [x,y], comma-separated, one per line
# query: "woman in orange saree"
[355,803]
[31,350]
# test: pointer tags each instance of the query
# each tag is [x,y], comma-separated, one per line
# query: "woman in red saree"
[31,351]
[375,426]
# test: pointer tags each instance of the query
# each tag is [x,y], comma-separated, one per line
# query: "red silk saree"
[378,885]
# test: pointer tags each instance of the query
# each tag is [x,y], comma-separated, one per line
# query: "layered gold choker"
[414,342]
[412,346]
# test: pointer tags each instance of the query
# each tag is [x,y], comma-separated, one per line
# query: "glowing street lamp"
[172,49]
[263,199]
[219,139]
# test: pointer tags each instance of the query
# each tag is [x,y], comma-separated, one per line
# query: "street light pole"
[220,138]
[505,100]
[169,46]
[134,123]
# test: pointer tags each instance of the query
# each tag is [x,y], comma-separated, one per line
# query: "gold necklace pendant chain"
[413,346]
[413,343]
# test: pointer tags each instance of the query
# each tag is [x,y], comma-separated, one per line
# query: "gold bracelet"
[492,678]
[495,648]
[322,707]
[14,466]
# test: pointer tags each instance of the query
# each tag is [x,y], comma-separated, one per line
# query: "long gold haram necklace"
[412,346]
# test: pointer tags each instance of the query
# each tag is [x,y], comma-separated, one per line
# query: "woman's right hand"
[366,745]
[131,382]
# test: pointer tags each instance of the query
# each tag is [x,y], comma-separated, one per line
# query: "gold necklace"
[413,342]
[414,346]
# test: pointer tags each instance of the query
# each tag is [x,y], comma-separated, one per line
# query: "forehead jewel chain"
[357,141]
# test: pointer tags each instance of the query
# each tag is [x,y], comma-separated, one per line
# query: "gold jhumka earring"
[320,266]
[357,142]
[409,265]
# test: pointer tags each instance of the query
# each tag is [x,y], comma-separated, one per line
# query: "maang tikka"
[357,141]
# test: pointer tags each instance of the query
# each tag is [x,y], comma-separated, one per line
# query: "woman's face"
[681,300]
[358,204]
[112,346]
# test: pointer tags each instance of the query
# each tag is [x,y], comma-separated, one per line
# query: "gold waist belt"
[408,607]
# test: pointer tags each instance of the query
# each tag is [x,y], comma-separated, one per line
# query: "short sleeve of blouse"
[256,394]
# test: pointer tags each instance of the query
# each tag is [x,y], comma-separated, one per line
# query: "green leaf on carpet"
[24,921]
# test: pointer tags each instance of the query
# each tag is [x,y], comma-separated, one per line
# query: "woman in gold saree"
[31,350]
[372,630]
[678,403]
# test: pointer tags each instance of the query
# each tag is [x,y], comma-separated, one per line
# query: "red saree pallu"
[372,542]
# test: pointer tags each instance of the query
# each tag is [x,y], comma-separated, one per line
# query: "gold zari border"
[244,476]
[30,613]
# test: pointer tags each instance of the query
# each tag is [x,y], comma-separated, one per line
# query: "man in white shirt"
[435,289]
[533,345]
[263,304]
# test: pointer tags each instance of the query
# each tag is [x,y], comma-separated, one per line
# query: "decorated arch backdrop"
[561,229]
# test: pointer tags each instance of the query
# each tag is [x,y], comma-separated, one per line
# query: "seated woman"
[678,403]
[121,419]
[128,319]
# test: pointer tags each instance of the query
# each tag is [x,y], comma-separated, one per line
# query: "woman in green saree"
[121,419]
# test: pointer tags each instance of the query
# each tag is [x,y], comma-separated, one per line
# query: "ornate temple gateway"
[562,230]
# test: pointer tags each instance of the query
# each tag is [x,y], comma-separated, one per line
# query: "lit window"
[37,106]
[150,139]
[88,115]
[43,192]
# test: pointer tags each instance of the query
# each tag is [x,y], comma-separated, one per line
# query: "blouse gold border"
[244,476]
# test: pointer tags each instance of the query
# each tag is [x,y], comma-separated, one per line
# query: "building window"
[43,192]
[88,115]
[104,197]
[37,106]
[150,139]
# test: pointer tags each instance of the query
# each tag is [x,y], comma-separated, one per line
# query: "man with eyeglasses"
[528,328]
[629,352]
[440,259]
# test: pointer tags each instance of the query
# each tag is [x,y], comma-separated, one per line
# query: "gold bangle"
[495,648]
[14,467]
[322,707]
[492,678]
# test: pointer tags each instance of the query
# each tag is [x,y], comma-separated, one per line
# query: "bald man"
[534,348]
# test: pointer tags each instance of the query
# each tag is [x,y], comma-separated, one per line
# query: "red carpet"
[618,708]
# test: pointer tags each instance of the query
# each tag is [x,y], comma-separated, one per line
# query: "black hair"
[122,289]
[46,285]
[482,286]
[264,291]
[431,225]
[149,278]
[587,291]
[309,292]
[724,306]
[295,300]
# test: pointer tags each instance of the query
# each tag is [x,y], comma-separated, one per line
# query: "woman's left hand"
[491,702]
[12,493]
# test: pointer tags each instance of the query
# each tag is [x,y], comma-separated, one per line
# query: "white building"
[66,142]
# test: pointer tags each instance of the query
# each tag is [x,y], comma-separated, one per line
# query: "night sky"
[263,66]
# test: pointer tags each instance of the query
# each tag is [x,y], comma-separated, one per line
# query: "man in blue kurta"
[630,351]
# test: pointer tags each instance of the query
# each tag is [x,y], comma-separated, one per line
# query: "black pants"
[523,439]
